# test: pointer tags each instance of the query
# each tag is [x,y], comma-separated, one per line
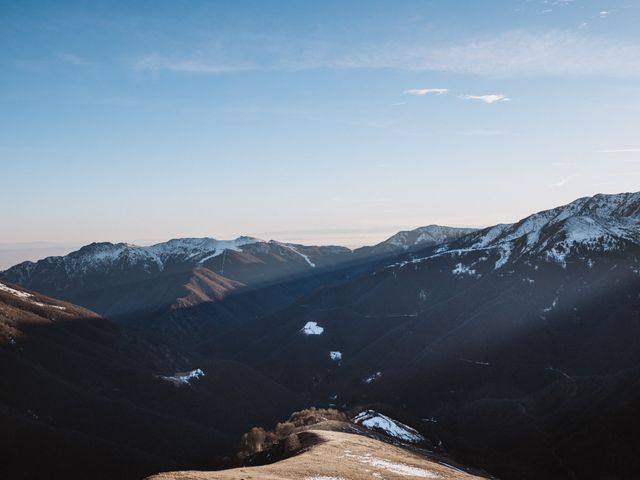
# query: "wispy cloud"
[560,183]
[73,59]
[621,150]
[421,92]
[482,132]
[487,98]
[155,62]
[509,54]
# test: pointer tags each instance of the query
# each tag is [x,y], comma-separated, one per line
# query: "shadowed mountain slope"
[127,280]
[512,348]
[517,333]
[77,392]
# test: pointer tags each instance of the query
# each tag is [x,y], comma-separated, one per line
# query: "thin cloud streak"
[561,183]
[487,98]
[155,62]
[621,150]
[73,59]
[421,92]
[509,54]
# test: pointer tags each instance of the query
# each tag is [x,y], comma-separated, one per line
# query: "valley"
[508,349]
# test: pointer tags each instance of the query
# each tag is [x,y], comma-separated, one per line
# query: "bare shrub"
[313,415]
[284,429]
[255,440]
[292,443]
[285,434]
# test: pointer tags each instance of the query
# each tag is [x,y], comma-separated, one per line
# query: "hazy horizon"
[12,253]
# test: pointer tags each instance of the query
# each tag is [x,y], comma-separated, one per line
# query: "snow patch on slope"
[376,421]
[27,297]
[461,270]
[183,378]
[295,250]
[505,253]
[373,377]
[322,477]
[312,328]
[14,292]
[398,468]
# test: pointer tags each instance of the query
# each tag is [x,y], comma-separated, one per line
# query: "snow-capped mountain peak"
[427,236]
[590,224]
[105,256]
[199,249]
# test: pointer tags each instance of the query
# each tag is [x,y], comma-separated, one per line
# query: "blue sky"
[320,122]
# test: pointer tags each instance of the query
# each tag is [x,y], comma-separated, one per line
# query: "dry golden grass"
[337,456]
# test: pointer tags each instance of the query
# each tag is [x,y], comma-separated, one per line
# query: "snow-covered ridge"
[107,256]
[582,220]
[600,223]
[423,236]
[376,421]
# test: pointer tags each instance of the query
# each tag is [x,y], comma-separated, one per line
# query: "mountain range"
[224,282]
[193,270]
[510,348]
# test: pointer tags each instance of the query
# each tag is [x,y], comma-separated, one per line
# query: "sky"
[318,122]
